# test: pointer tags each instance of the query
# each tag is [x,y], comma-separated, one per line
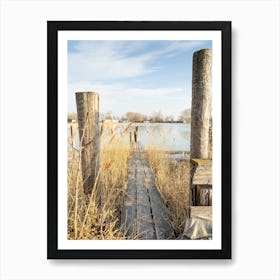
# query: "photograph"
[129,126]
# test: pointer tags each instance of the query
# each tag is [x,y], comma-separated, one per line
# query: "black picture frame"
[52,102]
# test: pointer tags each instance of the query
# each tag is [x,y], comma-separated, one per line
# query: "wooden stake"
[89,134]
[201,104]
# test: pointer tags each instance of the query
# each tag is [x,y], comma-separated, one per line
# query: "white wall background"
[255,139]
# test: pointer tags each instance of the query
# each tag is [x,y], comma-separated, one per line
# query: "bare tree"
[108,115]
[169,118]
[135,117]
[157,117]
[185,116]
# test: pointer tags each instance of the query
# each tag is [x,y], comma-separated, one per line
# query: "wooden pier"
[144,215]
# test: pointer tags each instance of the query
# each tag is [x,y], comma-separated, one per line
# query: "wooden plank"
[129,212]
[201,172]
[163,227]
[128,219]
[203,195]
[200,211]
[160,215]
[145,223]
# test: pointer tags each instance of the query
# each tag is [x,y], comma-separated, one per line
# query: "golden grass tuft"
[173,183]
[98,216]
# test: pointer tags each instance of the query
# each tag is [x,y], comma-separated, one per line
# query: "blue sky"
[138,76]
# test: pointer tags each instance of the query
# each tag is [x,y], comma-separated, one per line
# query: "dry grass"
[98,216]
[91,217]
[173,184]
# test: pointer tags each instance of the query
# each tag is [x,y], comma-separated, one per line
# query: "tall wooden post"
[200,165]
[89,134]
[201,104]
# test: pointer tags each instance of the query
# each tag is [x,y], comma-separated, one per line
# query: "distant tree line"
[72,117]
[156,117]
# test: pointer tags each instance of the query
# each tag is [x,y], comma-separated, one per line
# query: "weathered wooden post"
[71,135]
[200,164]
[89,134]
[136,134]
[201,103]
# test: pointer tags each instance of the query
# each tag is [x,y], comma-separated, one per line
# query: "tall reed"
[173,183]
[98,216]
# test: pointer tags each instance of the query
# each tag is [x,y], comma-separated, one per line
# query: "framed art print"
[139,140]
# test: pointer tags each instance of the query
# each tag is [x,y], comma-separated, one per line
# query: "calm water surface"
[162,136]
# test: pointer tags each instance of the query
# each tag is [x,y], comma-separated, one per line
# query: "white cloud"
[105,60]
[174,47]
[99,61]
[119,98]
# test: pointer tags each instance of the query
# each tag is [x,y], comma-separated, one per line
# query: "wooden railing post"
[200,165]
[201,104]
[89,134]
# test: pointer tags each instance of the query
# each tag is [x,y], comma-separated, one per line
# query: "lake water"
[162,136]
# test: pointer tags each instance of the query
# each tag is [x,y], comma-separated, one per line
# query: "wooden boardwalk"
[144,215]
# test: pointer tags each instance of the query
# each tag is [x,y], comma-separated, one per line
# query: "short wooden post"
[71,135]
[201,102]
[89,134]
[201,190]
[136,134]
